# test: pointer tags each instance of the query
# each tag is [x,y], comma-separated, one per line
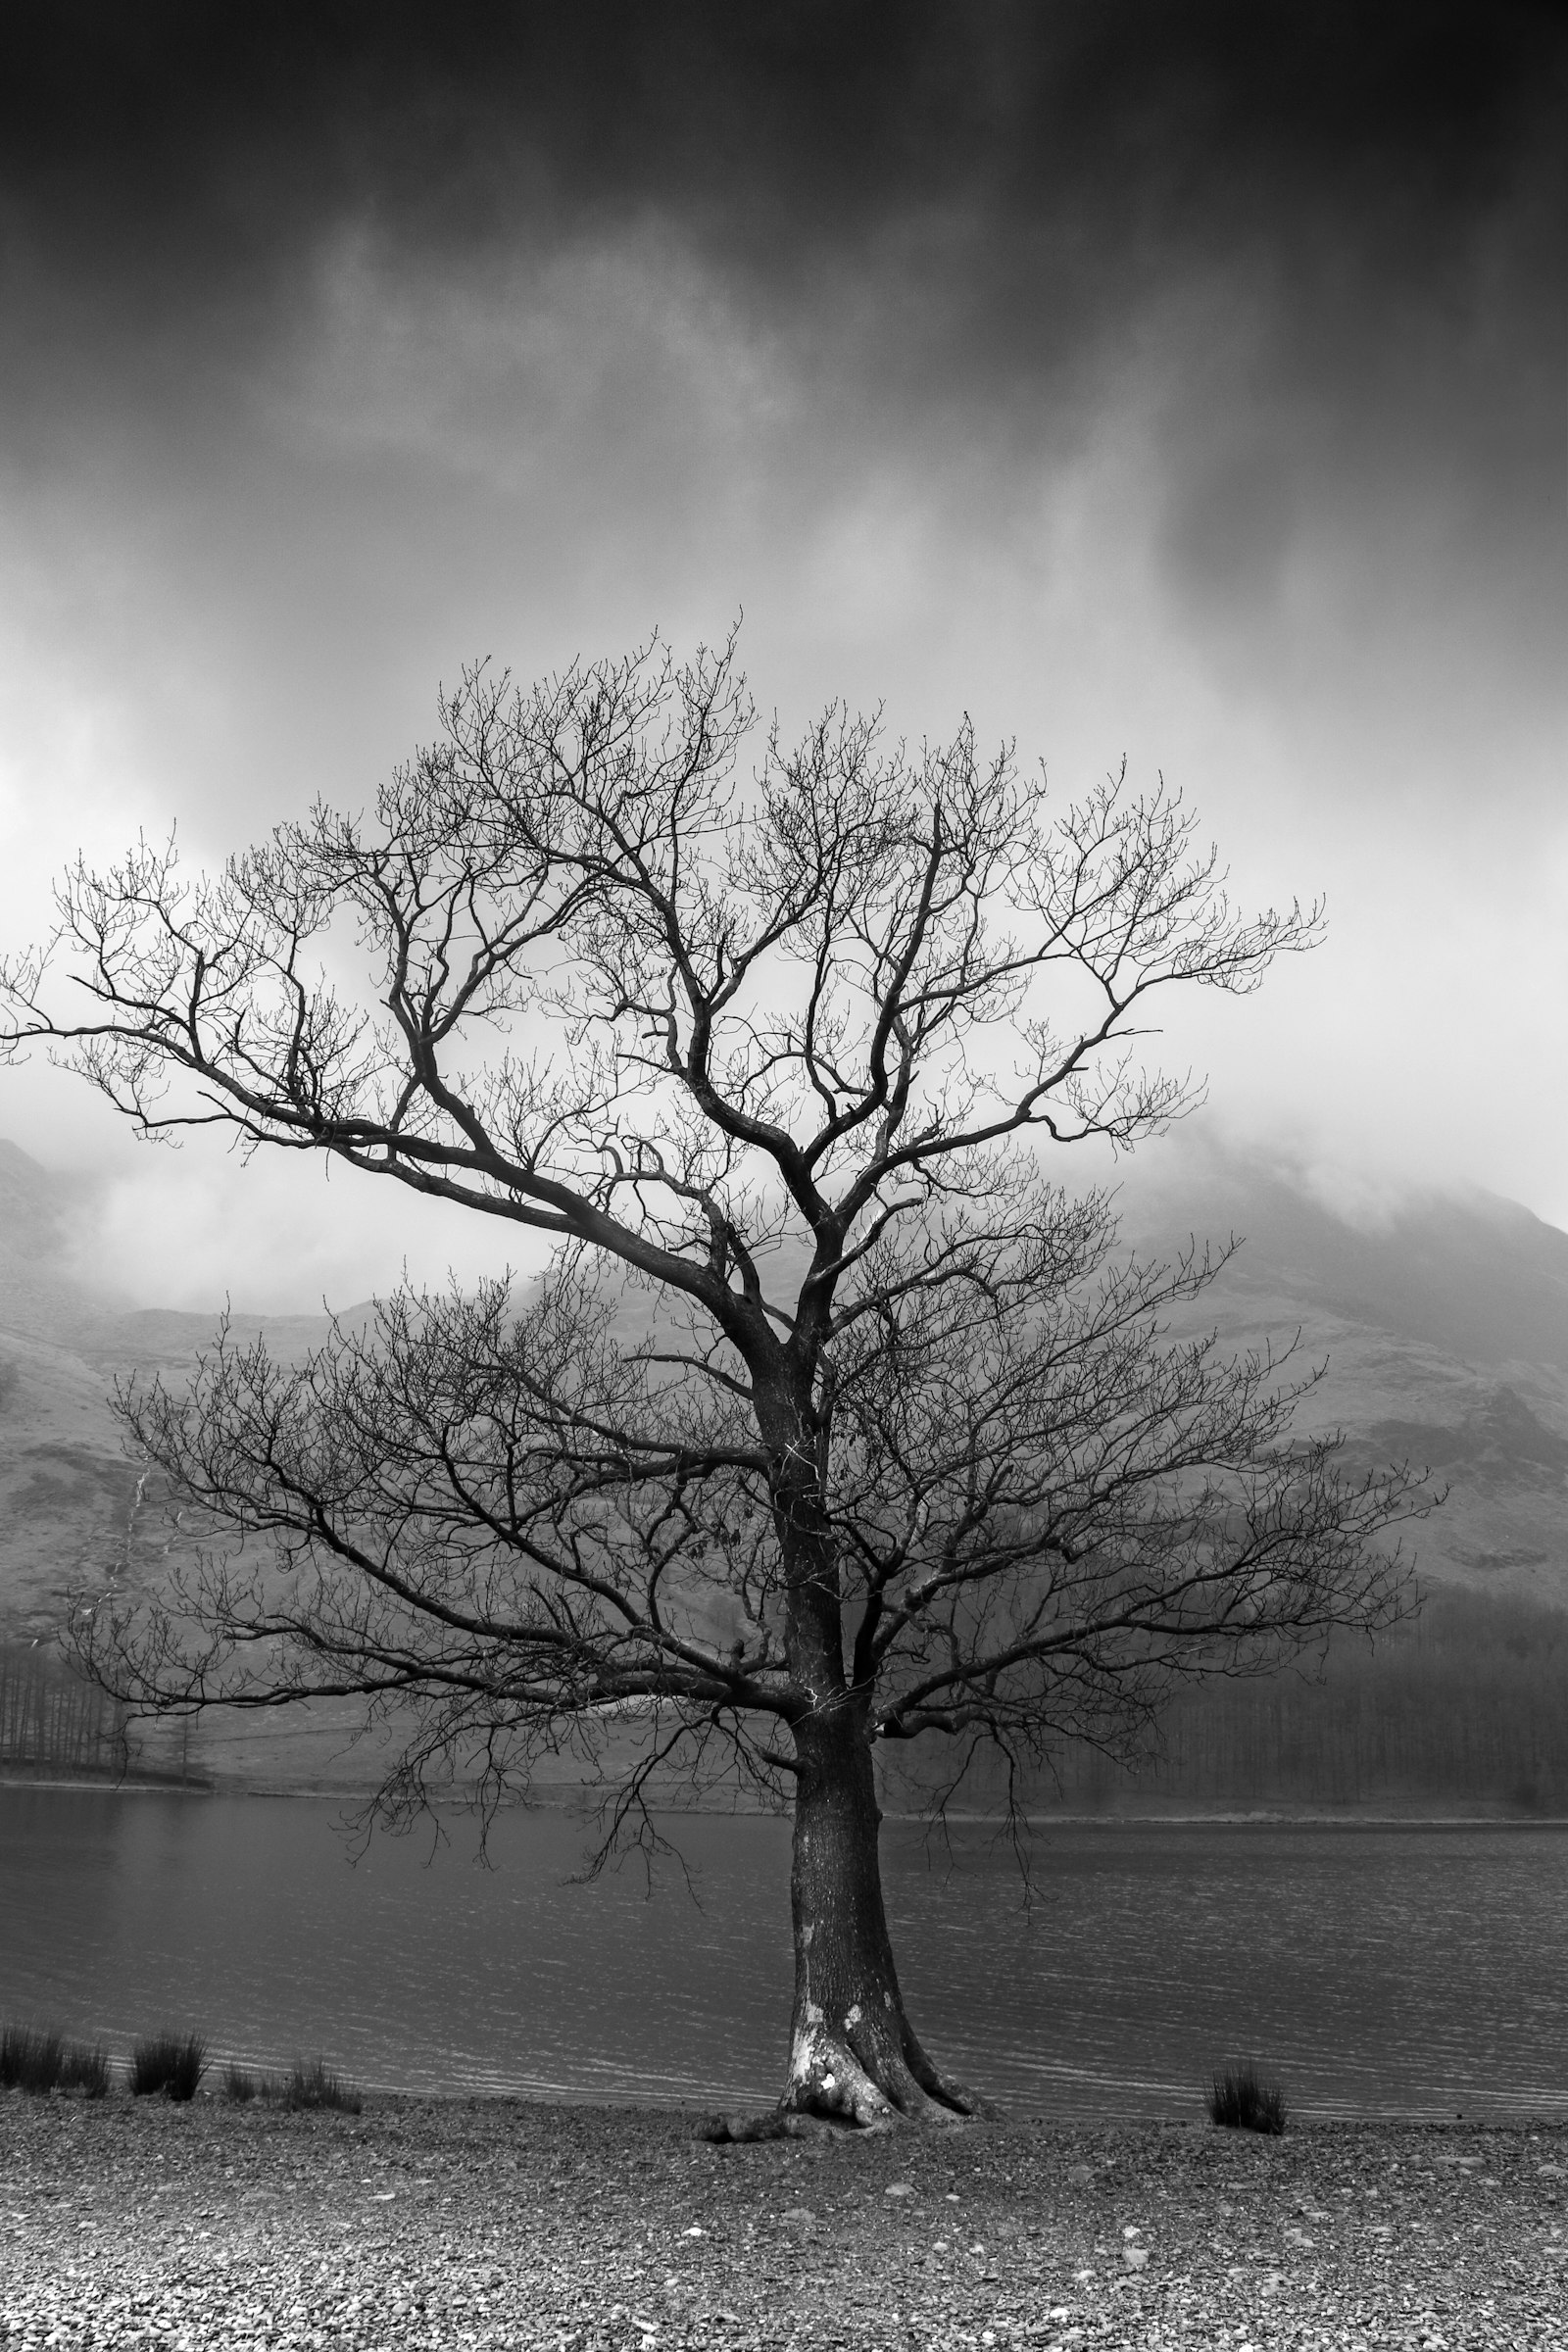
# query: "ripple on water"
[1389,1972]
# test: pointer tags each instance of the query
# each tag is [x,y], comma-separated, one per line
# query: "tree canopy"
[900,1445]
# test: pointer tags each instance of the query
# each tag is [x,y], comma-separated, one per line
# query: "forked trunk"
[854,2055]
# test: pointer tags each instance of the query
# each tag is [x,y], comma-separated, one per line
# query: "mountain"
[1442,1322]
[69,1514]
[67,1491]
[1475,1277]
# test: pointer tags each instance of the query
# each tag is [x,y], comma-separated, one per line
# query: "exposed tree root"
[794,2122]
[774,2123]
[833,2090]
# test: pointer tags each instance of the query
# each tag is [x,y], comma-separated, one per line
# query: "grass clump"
[176,2064]
[41,2060]
[30,2059]
[172,2063]
[312,2083]
[1240,2100]
[85,2069]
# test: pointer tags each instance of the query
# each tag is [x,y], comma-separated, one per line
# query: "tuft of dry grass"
[41,2060]
[1240,2099]
[172,2063]
[312,2083]
[85,2069]
[30,2058]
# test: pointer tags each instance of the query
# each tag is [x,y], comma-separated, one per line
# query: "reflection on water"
[1378,1971]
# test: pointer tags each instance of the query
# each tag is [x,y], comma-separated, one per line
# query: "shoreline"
[502,2223]
[1261,1817]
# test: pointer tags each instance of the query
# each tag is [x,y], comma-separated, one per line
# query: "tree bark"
[853,2056]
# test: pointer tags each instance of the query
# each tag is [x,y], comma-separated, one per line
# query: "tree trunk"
[853,2056]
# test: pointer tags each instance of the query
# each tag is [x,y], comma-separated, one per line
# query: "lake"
[1413,1971]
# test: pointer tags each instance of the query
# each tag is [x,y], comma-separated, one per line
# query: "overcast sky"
[1182,382]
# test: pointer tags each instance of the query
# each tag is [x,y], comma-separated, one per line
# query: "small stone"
[1131,2229]
[693,2231]
[799,2212]
[898,2188]
[1135,2256]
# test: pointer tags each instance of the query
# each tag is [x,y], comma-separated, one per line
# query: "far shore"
[563,1798]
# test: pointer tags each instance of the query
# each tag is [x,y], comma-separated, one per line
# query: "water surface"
[1398,1972]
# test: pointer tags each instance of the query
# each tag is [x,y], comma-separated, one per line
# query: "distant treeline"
[51,1719]
[1466,1705]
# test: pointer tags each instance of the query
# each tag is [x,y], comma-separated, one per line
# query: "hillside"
[70,1515]
[1443,1326]
[66,1492]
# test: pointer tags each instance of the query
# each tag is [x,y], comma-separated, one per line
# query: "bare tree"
[898,1449]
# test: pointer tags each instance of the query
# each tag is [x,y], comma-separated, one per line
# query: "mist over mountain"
[1440,1321]
[1476,1277]
[67,1493]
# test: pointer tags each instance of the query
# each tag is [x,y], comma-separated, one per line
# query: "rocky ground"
[498,2224]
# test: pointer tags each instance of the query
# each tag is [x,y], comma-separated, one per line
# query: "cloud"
[1178,381]
[956,206]
[1312,252]
[280,1236]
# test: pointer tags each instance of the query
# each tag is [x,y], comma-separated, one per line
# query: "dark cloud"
[1036,164]
[1322,242]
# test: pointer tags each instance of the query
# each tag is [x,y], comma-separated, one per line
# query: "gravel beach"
[498,2223]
